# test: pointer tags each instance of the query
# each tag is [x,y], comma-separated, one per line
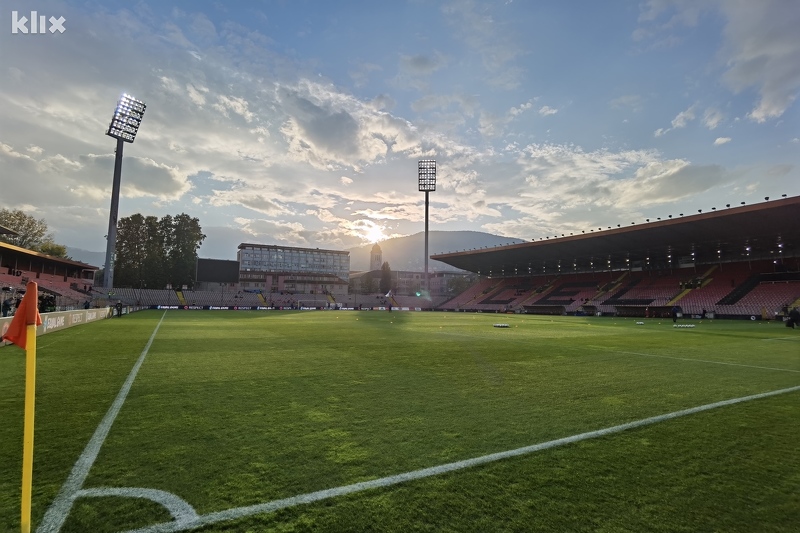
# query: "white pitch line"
[59,510]
[241,512]
[705,361]
[178,508]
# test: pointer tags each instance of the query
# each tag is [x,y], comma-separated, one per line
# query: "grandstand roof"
[7,231]
[760,231]
[282,247]
[9,250]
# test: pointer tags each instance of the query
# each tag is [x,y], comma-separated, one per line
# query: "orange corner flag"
[27,314]
[22,325]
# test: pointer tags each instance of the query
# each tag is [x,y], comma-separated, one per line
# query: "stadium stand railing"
[61,288]
[463,300]
[729,281]
[729,289]
[768,300]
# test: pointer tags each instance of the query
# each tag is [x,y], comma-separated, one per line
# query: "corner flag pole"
[31,316]
[22,332]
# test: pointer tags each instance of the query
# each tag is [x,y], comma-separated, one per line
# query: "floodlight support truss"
[111,240]
[427,281]
[426,176]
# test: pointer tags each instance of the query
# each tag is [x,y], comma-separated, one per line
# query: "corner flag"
[27,314]
[22,332]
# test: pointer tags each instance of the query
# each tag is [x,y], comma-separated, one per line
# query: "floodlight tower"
[427,183]
[124,125]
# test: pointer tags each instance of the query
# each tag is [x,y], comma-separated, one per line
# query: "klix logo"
[36,24]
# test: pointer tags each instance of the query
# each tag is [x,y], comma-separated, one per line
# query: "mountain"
[97,259]
[402,253]
[408,253]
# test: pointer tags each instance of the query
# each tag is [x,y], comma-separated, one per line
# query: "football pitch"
[403,421]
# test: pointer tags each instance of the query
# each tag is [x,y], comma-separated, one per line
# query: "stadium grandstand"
[733,262]
[64,284]
[739,261]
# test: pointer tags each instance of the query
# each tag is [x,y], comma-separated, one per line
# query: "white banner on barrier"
[63,319]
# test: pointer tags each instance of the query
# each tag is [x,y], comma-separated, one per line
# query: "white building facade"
[275,269]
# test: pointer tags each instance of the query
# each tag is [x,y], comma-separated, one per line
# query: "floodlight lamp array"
[127,118]
[427,175]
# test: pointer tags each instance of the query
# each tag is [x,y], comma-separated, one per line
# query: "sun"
[375,234]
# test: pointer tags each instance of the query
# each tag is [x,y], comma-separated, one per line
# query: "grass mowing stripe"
[59,510]
[241,512]
[610,351]
[704,361]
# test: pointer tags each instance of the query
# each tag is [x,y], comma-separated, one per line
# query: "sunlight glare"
[375,234]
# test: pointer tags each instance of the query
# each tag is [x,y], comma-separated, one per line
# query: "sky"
[301,123]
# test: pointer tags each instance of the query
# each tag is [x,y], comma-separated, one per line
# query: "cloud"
[762,50]
[415,71]
[721,140]
[261,201]
[634,102]
[514,111]
[465,104]
[547,110]
[203,29]
[760,45]
[362,71]
[683,118]
[569,175]
[382,102]
[779,170]
[680,121]
[235,104]
[496,45]
[491,125]
[564,188]
[328,130]
[196,94]
[712,118]
[267,144]
[274,231]
[421,65]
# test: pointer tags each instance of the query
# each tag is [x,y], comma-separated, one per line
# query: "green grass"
[235,409]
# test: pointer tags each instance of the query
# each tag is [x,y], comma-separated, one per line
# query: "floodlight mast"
[427,183]
[123,127]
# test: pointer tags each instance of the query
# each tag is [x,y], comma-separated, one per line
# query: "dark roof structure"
[43,262]
[769,230]
[7,231]
[282,247]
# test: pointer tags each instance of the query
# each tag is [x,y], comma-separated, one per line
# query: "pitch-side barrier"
[65,319]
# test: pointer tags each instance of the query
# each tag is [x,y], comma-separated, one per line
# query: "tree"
[186,238]
[386,278]
[367,284]
[153,253]
[31,232]
[130,251]
[53,249]
[155,273]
